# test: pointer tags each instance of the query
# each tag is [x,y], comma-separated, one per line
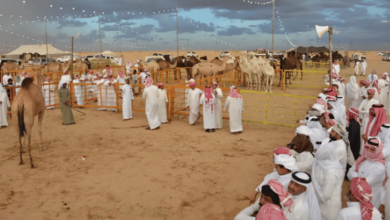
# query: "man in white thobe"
[151,95]
[19,81]
[6,77]
[128,68]
[235,103]
[332,107]
[363,66]
[336,66]
[339,138]
[127,100]
[284,166]
[357,67]
[101,92]
[384,87]
[306,205]
[194,102]
[384,135]
[65,78]
[208,101]
[111,86]
[162,103]
[364,109]
[327,179]
[48,91]
[370,165]
[218,106]
[372,77]
[4,105]
[352,93]
[77,90]
[359,203]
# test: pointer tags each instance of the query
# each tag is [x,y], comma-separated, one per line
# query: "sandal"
[148,128]
[212,130]
[208,130]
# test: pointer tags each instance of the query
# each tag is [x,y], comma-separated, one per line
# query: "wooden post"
[330,54]
[71,62]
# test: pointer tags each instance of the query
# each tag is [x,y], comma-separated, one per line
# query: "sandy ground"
[176,172]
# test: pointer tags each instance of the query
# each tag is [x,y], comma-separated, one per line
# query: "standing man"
[194,102]
[353,128]
[4,105]
[352,93]
[162,103]
[218,106]
[66,110]
[111,93]
[364,109]
[364,67]
[128,97]
[66,78]
[372,77]
[359,202]
[357,65]
[384,87]
[208,101]
[48,91]
[78,91]
[336,67]
[235,103]
[151,106]
[101,91]
[6,77]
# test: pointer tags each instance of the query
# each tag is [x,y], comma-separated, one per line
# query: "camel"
[246,68]
[27,104]
[229,66]
[54,67]
[268,73]
[207,69]
[81,66]
[152,66]
[292,63]
[165,65]
[9,66]
[203,58]
[183,62]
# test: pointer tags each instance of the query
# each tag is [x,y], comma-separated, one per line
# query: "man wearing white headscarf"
[66,78]
[151,95]
[357,65]
[302,148]
[372,77]
[336,67]
[332,107]
[284,166]
[384,136]
[384,87]
[364,67]
[364,109]
[218,105]
[306,205]
[340,105]
[327,179]
[352,92]
[4,105]
[339,137]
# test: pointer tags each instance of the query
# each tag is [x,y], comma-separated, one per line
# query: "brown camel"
[27,104]
[229,67]
[184,63]
[207,69]
[9,66]
[81,67]
[152,66]
[54,67]
[292,63]
[165,65]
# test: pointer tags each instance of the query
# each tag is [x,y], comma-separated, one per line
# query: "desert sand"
[176,172]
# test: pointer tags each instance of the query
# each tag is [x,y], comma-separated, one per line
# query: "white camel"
[268,73]
[246,68]
[257,73]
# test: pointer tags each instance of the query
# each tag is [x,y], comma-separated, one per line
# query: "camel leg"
[271,81]
[21,150]
[40,119]
[301,74]
[29,146]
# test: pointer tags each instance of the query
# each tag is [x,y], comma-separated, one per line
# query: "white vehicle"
[381,53]
[192,54]
[148,59]
[90,57]
[67,58]
[224,54]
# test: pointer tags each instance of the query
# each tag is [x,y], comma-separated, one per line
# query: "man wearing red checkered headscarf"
[371,166]
[271,212]
[359,202]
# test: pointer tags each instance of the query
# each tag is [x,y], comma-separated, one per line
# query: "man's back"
[353,212]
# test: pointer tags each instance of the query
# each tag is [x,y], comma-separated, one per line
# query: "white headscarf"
[319,108]
[2,88]
[286,160]
[62,82]
[384,135]
[326,159]
[313,122]
[340,105]
[311,201]
[352,88]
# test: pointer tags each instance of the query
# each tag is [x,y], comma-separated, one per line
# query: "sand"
[176,172]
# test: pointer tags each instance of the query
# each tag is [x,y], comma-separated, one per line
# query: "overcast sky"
[203,24]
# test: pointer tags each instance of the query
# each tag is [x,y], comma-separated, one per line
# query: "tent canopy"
[36,49]
[312,49]
[109,53]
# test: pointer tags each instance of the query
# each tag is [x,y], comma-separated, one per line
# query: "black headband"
[318,142]
[377,106]
[331,116]
[295,177]
[315,119]
[386,126]
[372,143]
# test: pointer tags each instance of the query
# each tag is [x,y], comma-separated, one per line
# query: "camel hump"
[26,83]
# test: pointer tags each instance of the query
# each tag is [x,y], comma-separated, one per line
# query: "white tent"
[36,49]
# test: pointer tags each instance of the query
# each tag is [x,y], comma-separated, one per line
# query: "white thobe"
[143,76]
[364,67]
[341,90]
[49,94]
[101,94]
[4,108]
[111,95]
[194,102]
[208,114]
[372,77]
[218,109]
[362,92]
[151,106]
[384,86]
[375,174]
[300,211]
[5,79]
[19,84]
[236,107]
[352,96]
[331,185]
[67,79]
[127,97]
[386,154]
[283,179]
[357,64]
[120,80]
[162,106]
[78,92]
[353,212]
[246,214]
[128,70]
[364,109]
[304,161]
[337,68]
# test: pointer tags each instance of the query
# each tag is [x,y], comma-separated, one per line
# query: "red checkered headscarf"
[322,102]
[160,84]
[208,94]
[328,119]
[375,84]
[363,192]
[375,157]
[380,119]
[282,150]
[354,114]
[371,91]
[271,212]
[148,82]
[285,197]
